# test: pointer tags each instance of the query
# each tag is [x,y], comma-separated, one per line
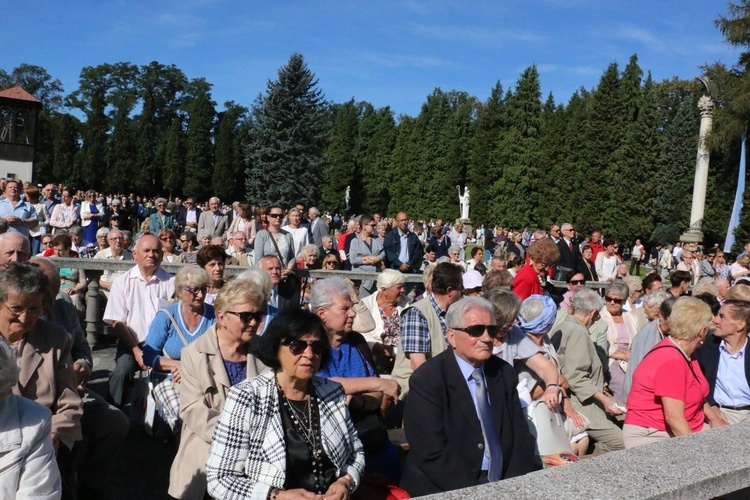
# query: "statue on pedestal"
[463,201]
[347,197]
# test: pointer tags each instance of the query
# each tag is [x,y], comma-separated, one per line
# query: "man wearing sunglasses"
[574,282]
[481,435]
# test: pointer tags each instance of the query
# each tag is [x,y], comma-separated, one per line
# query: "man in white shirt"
[135,298]
[116,251]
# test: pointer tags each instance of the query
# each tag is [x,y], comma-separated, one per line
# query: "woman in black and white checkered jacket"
[286,433]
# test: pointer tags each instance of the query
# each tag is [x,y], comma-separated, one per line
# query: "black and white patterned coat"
[248,454]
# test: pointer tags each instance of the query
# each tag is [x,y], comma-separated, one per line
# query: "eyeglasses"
[614,300]
[17,311]
[478,330]
[330,263]
[195,290]
[248,316]
[297,347]
[577,282]
[183,241]
[165,238]
[276,216]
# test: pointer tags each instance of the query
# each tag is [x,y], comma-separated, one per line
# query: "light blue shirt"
[23,210]
[403,252]
[466,371]
[731,384]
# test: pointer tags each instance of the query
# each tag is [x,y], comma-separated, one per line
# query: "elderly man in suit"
[285,293]
[726,364]
[463,420]
[403,251]
[318,227]
[569,251]
[213,222]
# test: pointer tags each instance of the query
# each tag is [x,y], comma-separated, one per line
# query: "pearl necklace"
[304,422]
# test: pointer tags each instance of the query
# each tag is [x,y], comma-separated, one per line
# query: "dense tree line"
[618,157]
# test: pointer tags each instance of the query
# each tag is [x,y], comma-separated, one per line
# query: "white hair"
[456,312]
[389,277]
[260,279]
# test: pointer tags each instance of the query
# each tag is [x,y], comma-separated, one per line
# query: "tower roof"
[19,94]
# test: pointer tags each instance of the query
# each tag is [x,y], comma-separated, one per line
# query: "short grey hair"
[506,303]
[585,301]
[260,279]
[427,274]
[454,248]
[705,285]
[314,210]
[24,279]
[389,277]
[193,276]
[8,369]
[75,230]
[327,237]
[102,231]
[456,312]
[655,298]
[160,201]
[308,250]
[633,282]
[618,288]
[325,291]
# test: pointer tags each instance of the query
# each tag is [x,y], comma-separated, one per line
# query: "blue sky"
[385,52]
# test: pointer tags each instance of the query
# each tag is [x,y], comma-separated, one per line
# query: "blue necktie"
[491,440]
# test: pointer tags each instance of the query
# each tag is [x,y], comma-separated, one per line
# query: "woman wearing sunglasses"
[275,241]
[210,366]
[286,433]
[173,328]
[622,326]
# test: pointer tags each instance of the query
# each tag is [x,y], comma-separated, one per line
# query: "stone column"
[694,234]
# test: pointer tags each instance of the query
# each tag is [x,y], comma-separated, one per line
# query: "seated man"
[116,251]
[237,250]
[285,293]
[463,420]
[726,364]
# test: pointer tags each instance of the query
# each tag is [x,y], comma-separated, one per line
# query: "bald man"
[403,251]
[14,247]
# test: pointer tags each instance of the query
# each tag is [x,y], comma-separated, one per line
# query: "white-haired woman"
[262,282]
[385,306]
[454,252]
[669,389]
[173,328]
[27,459]
[366,253]
[622,327]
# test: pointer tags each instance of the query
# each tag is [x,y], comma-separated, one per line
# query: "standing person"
[274,241]
[244,222]
[569,252]
[318,227]
[637,255]
[188,215]
[115,251]
[585,265]
[606,262]
[134,300]
[161,219]
[300,234]
[65,215]
[459,237]
[596,245]
[440,240]
[18,214]
[403,251]
[90,216]
[213,222]
[39,229]
[366,253]
[481,434]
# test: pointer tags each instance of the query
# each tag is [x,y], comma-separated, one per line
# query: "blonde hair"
[689,316]
[237,292]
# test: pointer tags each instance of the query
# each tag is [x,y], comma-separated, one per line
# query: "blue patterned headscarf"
[542,323]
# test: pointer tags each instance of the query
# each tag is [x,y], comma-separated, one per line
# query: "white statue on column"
[463,201]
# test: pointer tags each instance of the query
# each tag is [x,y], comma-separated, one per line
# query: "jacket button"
[480,446]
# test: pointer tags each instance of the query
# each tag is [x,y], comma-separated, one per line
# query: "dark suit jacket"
[392,246]
[568,258]
[444,432]
[316,235]
[708,357]
[182,216]
[289,292]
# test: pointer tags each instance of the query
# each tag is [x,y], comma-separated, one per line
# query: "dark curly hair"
[209,253]
[290,325]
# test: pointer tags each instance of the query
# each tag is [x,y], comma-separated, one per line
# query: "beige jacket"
[203,392]
[47,377]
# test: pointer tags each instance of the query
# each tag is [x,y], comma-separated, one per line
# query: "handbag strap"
[176,326]
[690,365]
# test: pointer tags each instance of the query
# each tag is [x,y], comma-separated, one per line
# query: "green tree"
[288,138]
[199,145]
[66,144]
[228,165]
[173,146]
[340,168]
[376,139]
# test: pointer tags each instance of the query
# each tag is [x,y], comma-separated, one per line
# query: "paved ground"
[143,464]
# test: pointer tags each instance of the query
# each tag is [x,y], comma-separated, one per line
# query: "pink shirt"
[665,373]
[135,301]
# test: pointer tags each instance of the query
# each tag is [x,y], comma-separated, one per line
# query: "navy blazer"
[444,432]
[708,357]
[392,247]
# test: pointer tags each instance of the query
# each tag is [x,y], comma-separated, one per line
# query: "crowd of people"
[275,384]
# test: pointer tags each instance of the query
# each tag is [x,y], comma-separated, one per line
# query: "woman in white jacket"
[27,459]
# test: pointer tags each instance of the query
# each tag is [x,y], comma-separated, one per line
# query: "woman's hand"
[175,371]
[339,490]
[621,354]
[295,494]
[551,397]
[578,419]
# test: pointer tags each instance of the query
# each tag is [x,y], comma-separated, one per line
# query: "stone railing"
[94,268]
[704,465]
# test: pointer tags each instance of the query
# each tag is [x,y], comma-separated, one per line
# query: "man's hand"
[610,407]
[389,388]
[82,374]
[138,355]
[404,268]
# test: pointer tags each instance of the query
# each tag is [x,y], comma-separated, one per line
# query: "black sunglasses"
[612,299]
[248,316]
[276,216]
[297,347]
[577,282]
[478,330]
